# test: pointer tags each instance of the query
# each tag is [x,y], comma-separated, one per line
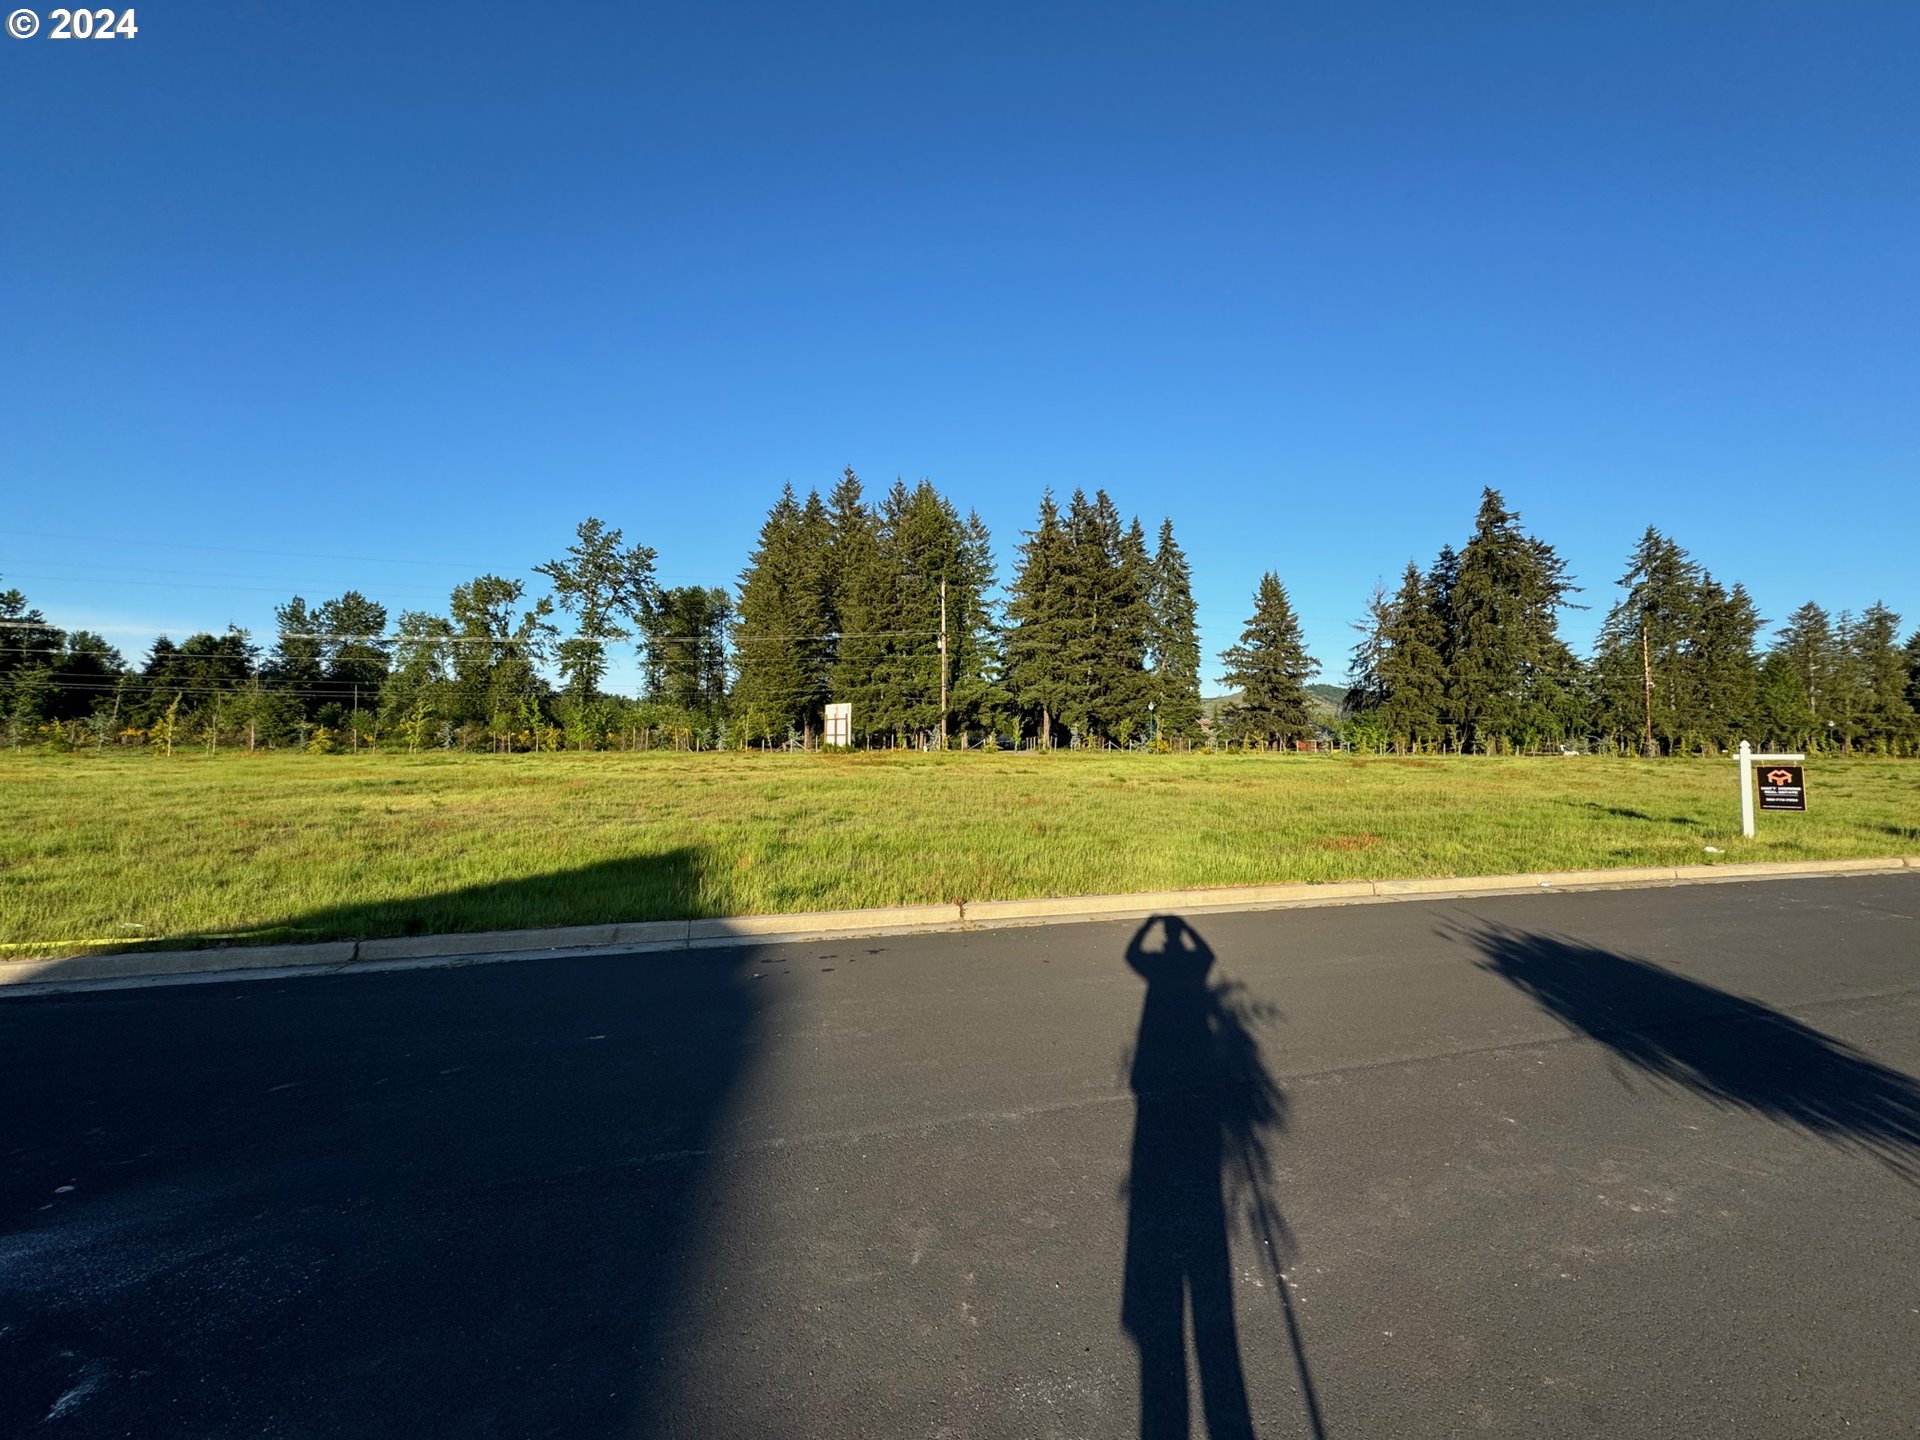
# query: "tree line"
[1466,656]
[892,604]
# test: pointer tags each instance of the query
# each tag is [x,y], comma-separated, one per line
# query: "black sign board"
[1782,787]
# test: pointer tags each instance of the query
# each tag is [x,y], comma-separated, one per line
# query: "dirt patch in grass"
[1362,841]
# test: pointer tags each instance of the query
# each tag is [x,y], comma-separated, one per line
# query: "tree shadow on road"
[1732,1050]
[1206,1108]
[442,1202]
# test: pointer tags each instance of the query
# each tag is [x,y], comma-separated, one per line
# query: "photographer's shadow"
[1205,1106]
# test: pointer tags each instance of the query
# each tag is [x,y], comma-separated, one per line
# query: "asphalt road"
[1624,1164]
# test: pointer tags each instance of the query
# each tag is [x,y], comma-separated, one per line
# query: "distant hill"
[1326,701]
[1333,697]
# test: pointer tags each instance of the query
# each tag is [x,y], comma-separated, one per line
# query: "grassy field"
[133,848]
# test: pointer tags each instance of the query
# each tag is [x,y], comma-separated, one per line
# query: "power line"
[547,639]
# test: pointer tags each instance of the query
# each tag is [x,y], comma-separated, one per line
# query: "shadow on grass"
[637,888]
[1622,812]
[1732,1050]
[441,1202]
[666,886]
[1205,1111]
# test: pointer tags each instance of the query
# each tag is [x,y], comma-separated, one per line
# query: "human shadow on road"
[1726,1047]
[443,1202]
[1206,1108]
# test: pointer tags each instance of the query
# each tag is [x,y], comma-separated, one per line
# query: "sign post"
[1782,787]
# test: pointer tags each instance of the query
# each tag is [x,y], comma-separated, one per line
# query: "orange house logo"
[1780,777]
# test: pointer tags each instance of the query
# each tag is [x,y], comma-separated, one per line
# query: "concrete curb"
[413,952]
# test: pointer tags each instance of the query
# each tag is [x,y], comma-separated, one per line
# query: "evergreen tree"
[295,666]
[26,640]
[1913,670]
[779,636]
[978,697]
[926,542]
[1643,668]
[1127,682]
[84,675]
[1270,667]
[1845,688]
[601,582]
[1887,722]
[1797,679]
[1105,621]
[30,657]
[686,635]
[1726,678]
[1038,622]
[1441,582]
[196,680]
[1366,686]
[1175,641]
[864,599]
[1515,682]
[1412,675]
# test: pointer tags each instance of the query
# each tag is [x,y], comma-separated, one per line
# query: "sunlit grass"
[136,847]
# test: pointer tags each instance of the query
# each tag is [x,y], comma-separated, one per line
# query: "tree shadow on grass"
[440,1202]
[640,888]
[1622,812]
[666,886]
[1732,1050]
[1206,1109]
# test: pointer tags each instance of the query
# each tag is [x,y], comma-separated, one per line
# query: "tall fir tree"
[1515,683]
[1106,622]
[1270,668]
[1887,724]
[1643,665]
[863,598]
[1726,674]
[1175,641]
[1127,681]
[1366,686]
[780,623]
[1797,679]
[1913,670]
[1412,667]
[1039,622]
[1441,582]
[928,543]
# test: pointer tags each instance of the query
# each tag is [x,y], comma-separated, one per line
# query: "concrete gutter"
[262,962]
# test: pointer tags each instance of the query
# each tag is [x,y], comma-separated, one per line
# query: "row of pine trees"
[1466,656]
[893,604]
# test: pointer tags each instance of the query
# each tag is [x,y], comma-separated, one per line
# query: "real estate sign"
[1782,787]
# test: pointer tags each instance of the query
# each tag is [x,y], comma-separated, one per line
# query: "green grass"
[135,848]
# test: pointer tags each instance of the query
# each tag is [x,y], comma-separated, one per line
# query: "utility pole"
[356,718]
[1646,678]
[943,664]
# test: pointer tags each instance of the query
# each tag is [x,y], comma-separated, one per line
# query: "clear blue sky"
[427,283]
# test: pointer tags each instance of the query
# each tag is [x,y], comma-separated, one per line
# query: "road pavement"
[1640,1163]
